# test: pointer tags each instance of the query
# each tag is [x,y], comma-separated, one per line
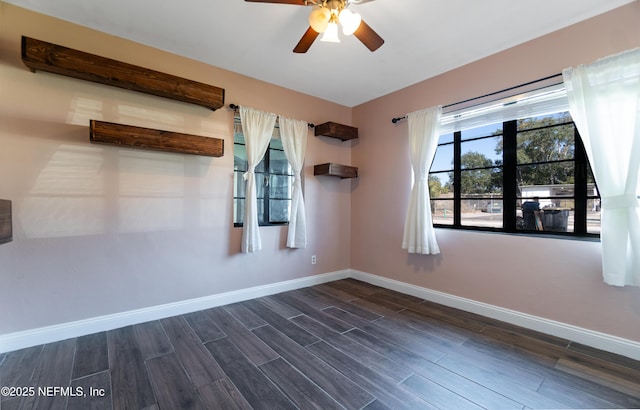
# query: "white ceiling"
[423,38]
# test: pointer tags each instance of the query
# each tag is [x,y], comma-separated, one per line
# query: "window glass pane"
[279,210]
[443,159]
[556,143]
[481,183]
[444,138]
[481,189]
[544,120]
[238,211]
[546,180]
[276,143]
[591,182]
[260,184]
[260,167]
[593,204]
[280,186]
[261,216]
[593,215]
[547,202]
[240,154]
[278,163]
[442,212]
[559,218]
[441,185]
[239,185]
[484,131]
[239,157]
[549,214]
[481,152]
[484,212]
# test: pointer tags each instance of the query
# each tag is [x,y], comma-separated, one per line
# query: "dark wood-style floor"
[345,344]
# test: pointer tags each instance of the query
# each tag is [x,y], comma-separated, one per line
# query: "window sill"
[235,225]
[555,235]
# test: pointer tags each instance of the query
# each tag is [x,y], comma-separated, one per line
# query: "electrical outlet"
[313,259]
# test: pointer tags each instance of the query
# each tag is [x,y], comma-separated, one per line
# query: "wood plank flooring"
[340,345]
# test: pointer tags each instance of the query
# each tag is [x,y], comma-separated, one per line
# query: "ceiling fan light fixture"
[330,35]
[350,21]
[319,19]
[324,19]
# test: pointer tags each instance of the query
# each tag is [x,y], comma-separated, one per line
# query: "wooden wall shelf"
[148,138]
[335,130]
[336,170]
[40,55]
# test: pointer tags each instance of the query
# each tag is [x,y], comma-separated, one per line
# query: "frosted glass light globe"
[319,19]
[350,21]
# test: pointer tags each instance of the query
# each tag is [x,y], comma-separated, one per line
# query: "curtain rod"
[397,119]
[236,107]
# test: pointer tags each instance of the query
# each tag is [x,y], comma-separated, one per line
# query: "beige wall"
[99,229]
[551,278]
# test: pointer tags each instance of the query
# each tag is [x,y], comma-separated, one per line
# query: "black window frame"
[510,197]
[262,177]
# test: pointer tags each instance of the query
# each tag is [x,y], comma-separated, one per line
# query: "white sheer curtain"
[604,101]
[419,235]
[257,127]
[294,141]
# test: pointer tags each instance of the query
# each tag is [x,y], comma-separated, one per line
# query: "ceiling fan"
[324,19]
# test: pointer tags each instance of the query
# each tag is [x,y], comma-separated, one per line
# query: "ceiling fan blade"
[305,42]
[295,2]
[369,38]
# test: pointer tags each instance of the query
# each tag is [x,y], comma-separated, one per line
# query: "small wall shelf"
[148,138]
[40,55]
[335,130]
[336,170]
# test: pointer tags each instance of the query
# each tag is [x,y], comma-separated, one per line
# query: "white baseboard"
[576,334]
[20,340]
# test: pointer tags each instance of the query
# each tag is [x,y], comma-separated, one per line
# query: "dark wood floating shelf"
[335,130]
[40,55]
[336,170]
[148,138]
